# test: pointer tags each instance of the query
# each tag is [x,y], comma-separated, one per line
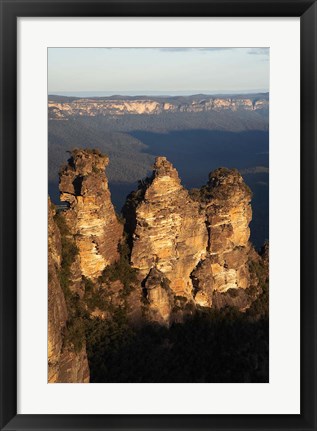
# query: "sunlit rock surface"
[112,106]
[91,216]
[190,250]
[226,201]
[170,233]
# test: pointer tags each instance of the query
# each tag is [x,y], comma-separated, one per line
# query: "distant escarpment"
[61,108]
[176,253]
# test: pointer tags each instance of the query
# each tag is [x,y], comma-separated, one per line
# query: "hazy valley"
[158,216]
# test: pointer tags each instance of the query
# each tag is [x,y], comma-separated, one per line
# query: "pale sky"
[157,70]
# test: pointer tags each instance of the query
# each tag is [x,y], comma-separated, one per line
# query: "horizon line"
[154,93]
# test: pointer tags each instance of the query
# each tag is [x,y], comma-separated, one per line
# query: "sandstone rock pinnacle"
[170,233]
[226,200]
[91,216]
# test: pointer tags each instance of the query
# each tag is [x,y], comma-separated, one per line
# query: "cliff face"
[192,247]
[140,106]
[91,216]
[170,234]
[187,250]
[57,312]
[64,364]
[74,366]
[226,200]
[160,296]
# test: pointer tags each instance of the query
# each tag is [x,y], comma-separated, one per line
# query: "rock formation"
[61,110]
[73,366]
[159,296]
[170,234]
[196,246]
[57,311]
[64,364]
[226,200]
[187,250]
[91,216]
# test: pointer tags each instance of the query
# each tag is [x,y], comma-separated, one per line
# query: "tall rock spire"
[170,233]
[91,216]
[226,199]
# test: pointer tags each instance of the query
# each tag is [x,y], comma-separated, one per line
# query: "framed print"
[158,215]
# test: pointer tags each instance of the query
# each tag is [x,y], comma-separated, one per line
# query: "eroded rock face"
[200,245]
[159,296]
[64,364]
[57,311]
[91,216]
[148,106]
[170,234]
[74,366]
[190,249]
[226,200]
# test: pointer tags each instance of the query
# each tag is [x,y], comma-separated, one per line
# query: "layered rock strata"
[91,216]
[170,234]
[64,364]
[96,107]
[226,201]
[57,311]
[199,245]
[188,248]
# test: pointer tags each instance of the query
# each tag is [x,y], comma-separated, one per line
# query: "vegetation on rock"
[187,248]
[69,253]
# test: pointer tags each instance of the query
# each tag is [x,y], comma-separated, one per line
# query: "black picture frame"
[10,11]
